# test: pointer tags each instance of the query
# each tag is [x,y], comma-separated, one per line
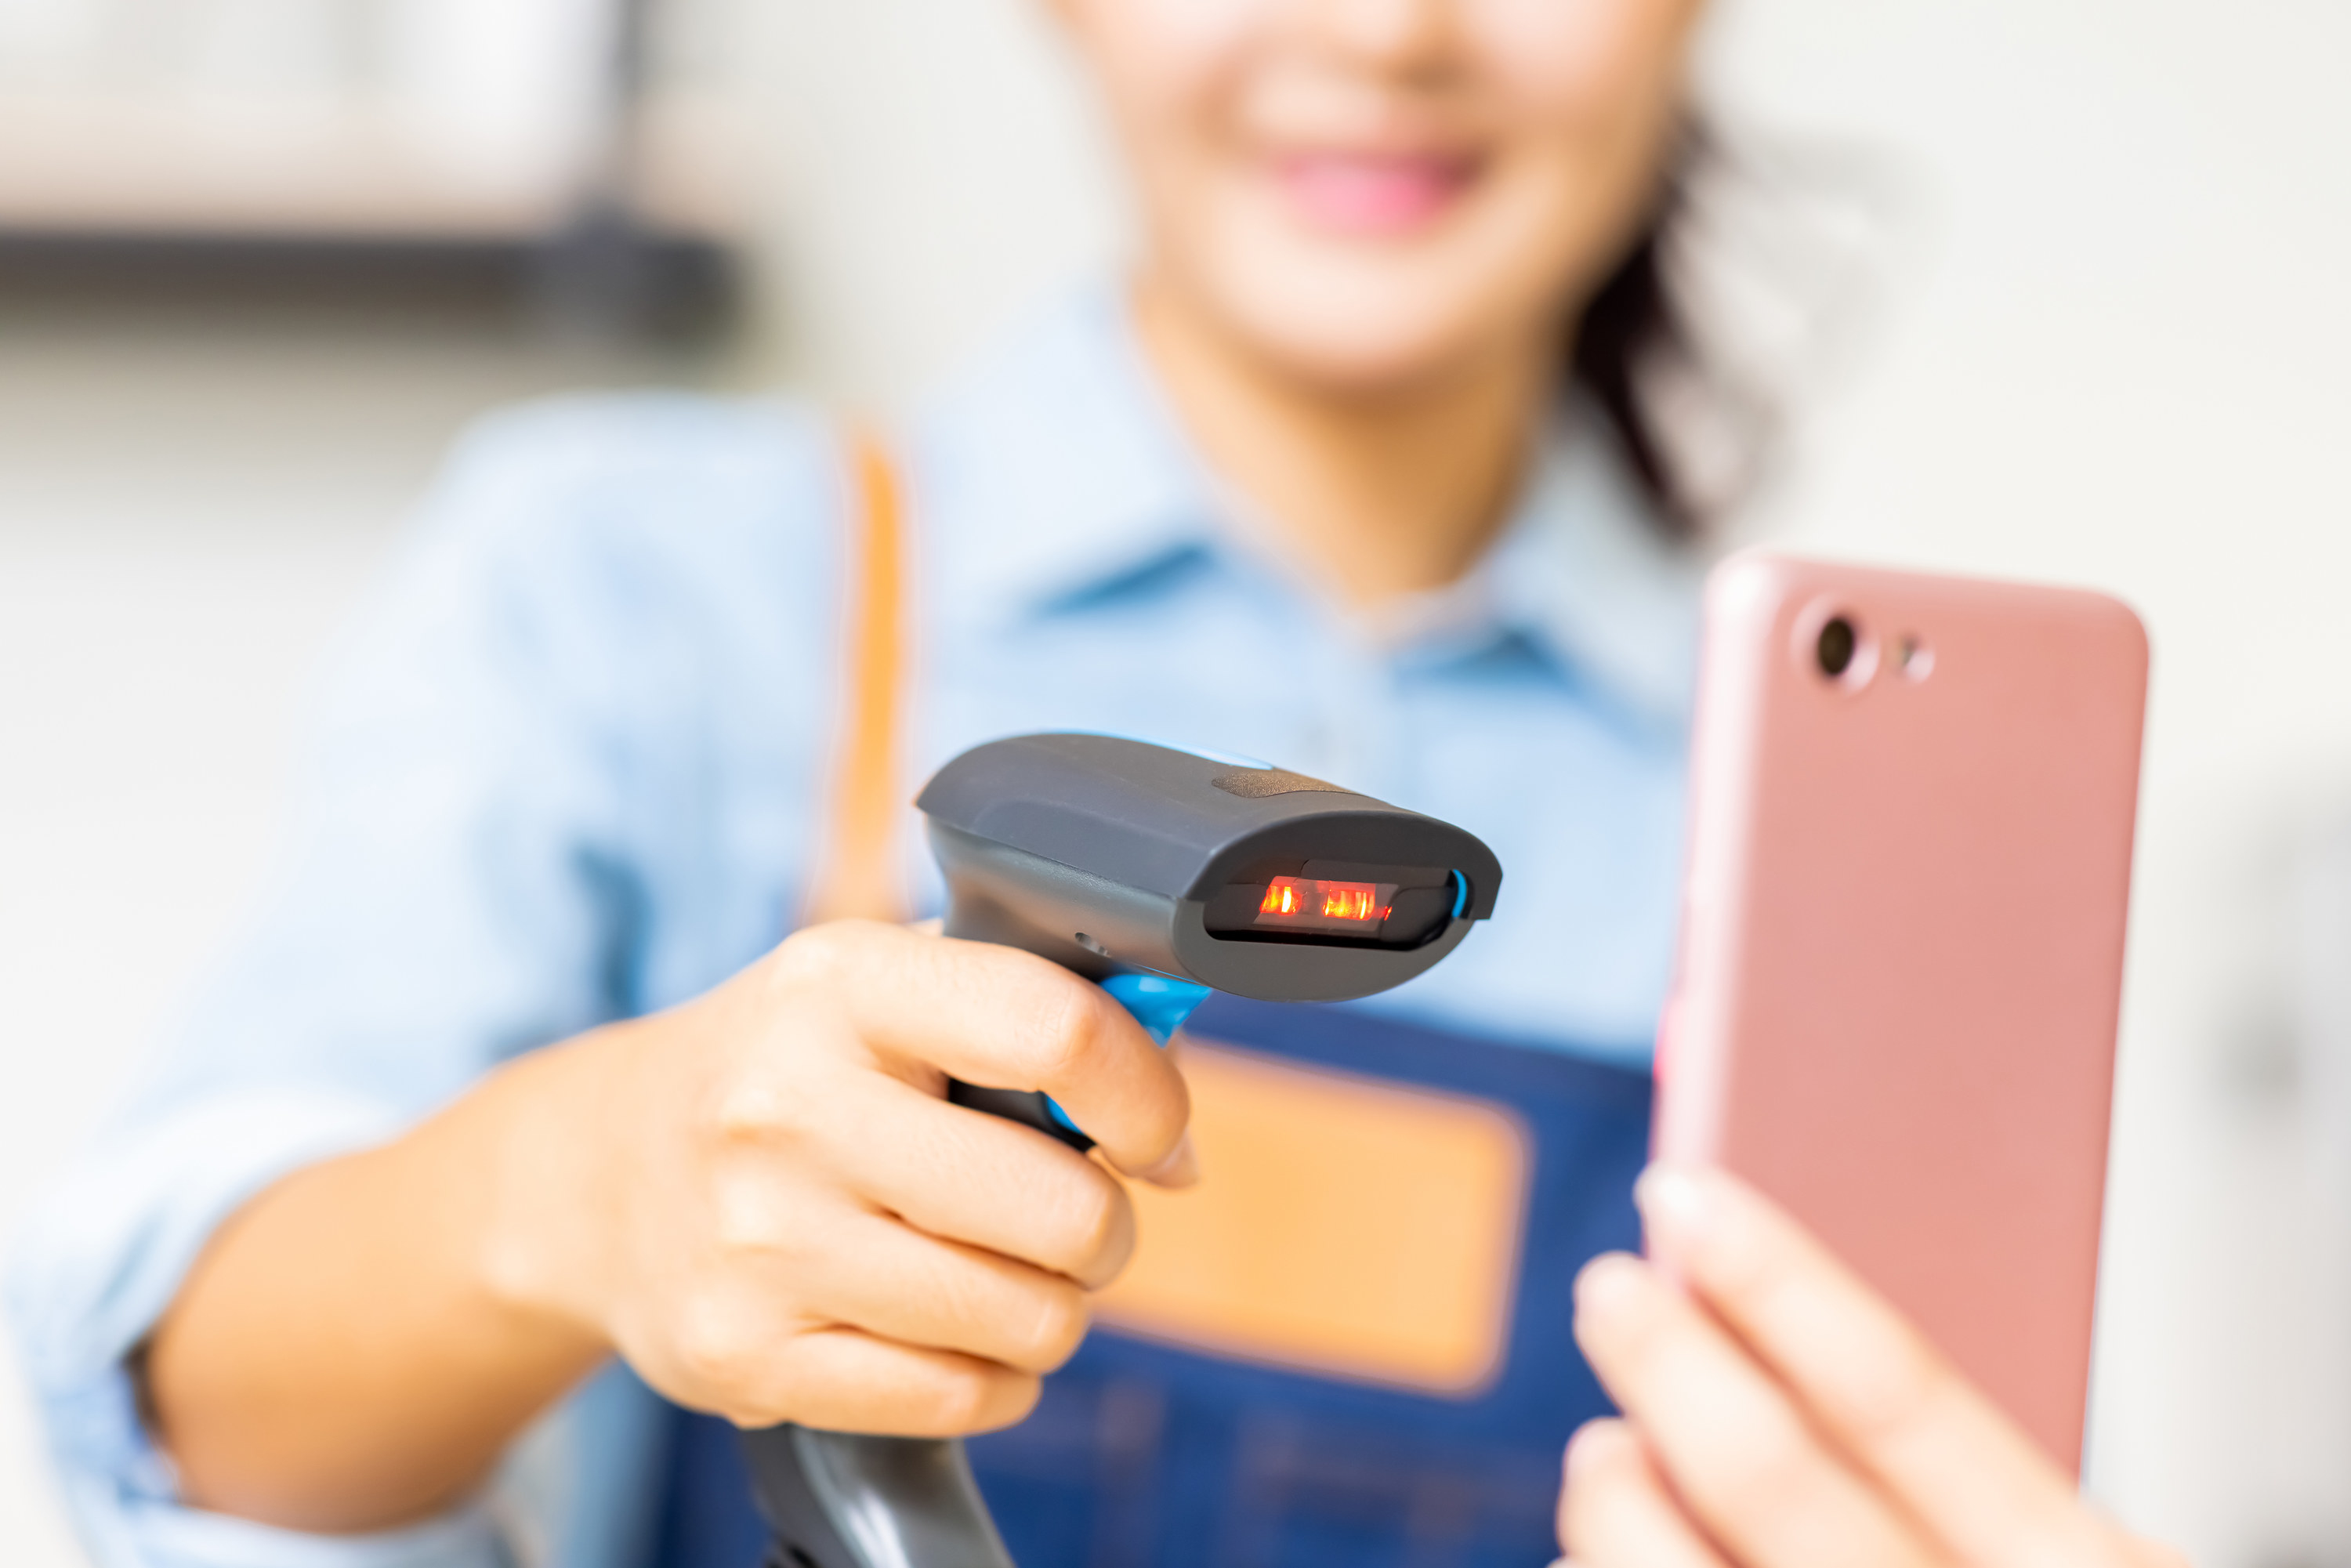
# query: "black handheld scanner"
[1163,874]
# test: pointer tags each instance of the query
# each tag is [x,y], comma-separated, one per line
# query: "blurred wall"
[936,166]
[2110,344]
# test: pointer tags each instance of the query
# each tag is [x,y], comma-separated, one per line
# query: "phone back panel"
[1903,942]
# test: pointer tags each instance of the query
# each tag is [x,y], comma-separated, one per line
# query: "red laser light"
[1311,904]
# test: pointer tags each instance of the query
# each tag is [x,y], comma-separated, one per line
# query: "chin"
[1370,326]
[1396,359]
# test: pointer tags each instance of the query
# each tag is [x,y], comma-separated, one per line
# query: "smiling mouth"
[1375,195]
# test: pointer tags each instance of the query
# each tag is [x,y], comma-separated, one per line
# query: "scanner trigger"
[1160,1004]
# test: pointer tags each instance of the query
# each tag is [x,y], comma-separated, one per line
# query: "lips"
[1382,194]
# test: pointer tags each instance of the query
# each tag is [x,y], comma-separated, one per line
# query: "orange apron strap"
[858,875]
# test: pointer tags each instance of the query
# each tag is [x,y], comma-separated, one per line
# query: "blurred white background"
[2110,344]
[405,116]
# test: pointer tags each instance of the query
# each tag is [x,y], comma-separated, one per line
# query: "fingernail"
[1606,1286]
[1678,1203]
[1180,1168]
[1586,1442]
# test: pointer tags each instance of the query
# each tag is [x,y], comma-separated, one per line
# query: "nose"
[1390,33]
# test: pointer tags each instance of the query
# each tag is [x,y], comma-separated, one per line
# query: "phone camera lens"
[1837,644]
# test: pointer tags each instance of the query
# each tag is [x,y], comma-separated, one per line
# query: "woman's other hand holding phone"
[1779,1414]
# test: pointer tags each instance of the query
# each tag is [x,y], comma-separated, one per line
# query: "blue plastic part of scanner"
[1460,894]
[1159,1004]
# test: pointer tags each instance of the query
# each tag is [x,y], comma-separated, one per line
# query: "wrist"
[541,1250]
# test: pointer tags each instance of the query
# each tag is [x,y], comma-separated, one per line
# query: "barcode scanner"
[1163,875]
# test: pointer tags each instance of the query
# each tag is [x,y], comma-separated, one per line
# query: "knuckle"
[791,1383]
[1063,1023]
[766,1404]
[963,1400]
[1095,1228]
[750,1415]
[1093,1237]
[822,951]
[748,1108]
[1172,1113]
[1057,1328]
[711,1350]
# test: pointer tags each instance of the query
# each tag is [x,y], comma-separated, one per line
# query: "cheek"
[1591,88]
[1591,61]
[1166,70]
[1161,61]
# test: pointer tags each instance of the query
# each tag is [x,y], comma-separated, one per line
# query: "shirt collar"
[1580,575]
[1067,474]
[1065,468]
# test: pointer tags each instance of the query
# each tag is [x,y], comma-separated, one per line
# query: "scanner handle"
[843,1500]
[1026,1106]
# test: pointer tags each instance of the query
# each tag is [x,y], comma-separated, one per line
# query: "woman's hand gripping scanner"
[1163,875]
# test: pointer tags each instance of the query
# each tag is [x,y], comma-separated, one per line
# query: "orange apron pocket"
[1351,1227]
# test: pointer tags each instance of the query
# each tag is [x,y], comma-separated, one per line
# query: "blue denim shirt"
[574,764]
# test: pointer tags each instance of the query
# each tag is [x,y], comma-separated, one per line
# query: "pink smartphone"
[1913,799]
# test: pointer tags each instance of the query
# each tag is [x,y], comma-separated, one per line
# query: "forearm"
[351,1352]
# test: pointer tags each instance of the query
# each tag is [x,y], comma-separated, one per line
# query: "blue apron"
[1144,1456]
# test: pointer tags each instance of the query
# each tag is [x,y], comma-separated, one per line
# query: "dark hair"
[1634,330]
